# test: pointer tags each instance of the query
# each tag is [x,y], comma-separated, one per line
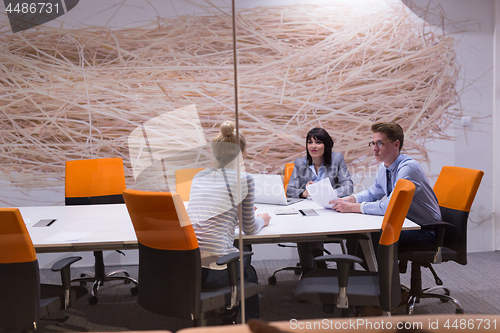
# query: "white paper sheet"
[68,236]
[322,192]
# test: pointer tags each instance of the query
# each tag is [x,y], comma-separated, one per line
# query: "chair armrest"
[440,229]
[231,257]
[231,260]
[435,225]
[340,258]
[65,262]
[344,262]
[63,266]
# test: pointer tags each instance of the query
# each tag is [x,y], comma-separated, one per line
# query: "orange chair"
[23,301]
[91,182]
[183,180]
[344,288]
[288,173]
[94,181]
[455,189]
[170,261]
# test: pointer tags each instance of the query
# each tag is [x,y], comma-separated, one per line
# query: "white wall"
[471,23]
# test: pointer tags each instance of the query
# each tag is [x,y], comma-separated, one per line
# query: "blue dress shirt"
[337,172]
[424,206]
[321,172]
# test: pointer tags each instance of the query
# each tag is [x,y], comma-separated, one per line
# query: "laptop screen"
[269,189]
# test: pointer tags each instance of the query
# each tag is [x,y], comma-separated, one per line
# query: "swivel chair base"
[99,277]
[297,269]
[417,293]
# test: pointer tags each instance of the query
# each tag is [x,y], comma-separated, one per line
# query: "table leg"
[369,253]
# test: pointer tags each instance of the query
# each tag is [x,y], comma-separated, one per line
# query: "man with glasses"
[388,138]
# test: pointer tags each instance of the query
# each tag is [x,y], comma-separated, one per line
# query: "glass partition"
[152,82]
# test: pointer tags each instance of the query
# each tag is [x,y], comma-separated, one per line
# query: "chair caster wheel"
[93,300]
[271,280]
[134,291]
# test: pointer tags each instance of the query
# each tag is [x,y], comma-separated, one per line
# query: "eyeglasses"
[379,143]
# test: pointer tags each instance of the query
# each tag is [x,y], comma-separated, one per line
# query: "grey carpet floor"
[474,285]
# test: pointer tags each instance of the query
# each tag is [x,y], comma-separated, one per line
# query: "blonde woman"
[213,209]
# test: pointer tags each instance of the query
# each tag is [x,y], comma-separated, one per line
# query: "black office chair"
[455,189]
[92,182]
[23,301]
[344,288]
[170,262]
[272,280]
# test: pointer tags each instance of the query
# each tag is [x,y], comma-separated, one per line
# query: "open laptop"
[269,190]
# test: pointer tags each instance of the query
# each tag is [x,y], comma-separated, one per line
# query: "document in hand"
[322,192]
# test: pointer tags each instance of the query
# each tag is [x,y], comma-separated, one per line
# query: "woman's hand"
[305,194]
[266,218]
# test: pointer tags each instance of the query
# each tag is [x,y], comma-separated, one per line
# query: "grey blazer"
[337,173]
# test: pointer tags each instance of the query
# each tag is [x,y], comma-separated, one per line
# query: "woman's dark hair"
[322,135]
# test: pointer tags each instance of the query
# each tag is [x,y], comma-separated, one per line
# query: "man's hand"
[350,198]
[266,218]
[346,205]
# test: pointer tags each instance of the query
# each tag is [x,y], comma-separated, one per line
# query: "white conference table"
[328,223]
[80,228]
[108,227]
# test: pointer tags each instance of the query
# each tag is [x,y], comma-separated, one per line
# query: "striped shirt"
[213,209]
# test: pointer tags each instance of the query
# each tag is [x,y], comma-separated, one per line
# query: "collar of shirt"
[317,176]
[392,168]
[394,164]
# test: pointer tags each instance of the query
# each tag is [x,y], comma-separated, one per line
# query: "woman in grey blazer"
[319,163]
